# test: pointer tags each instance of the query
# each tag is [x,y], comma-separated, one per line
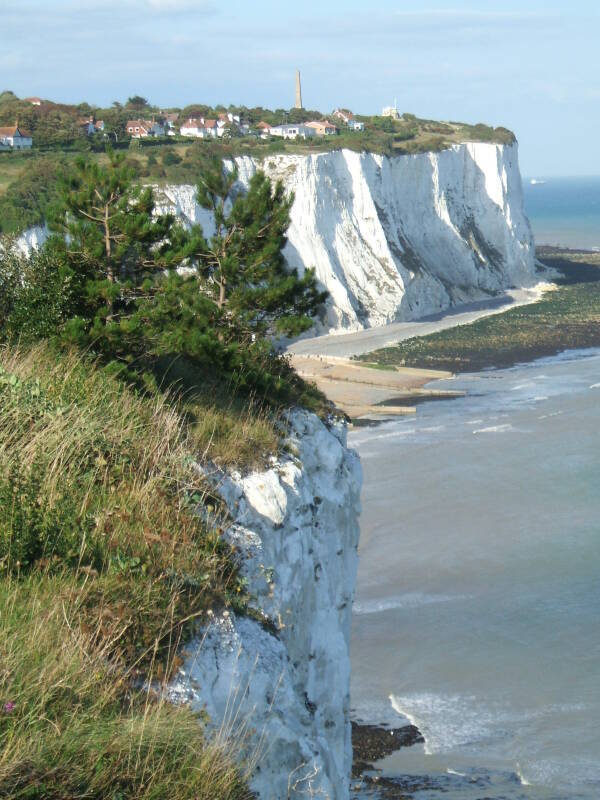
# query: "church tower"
[298,90]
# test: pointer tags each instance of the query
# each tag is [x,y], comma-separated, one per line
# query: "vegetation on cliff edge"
[130,350]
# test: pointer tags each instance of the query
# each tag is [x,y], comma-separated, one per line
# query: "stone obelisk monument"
[298,90]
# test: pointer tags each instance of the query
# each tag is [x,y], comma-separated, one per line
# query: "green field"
[564,319]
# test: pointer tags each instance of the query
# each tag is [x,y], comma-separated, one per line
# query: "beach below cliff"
[369,389]
[363,342]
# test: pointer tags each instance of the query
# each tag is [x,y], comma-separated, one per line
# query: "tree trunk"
[108,245]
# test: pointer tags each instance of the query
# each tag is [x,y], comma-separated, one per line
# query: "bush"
[32,527]
[170,158]
[37,293]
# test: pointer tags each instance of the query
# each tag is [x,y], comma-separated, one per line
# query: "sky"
[530,66]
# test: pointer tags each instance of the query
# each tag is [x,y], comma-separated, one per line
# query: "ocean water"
[564,211]
[477,613]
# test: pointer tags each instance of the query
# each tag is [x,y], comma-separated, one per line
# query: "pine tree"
[243,264]
[144,289]
[112,236]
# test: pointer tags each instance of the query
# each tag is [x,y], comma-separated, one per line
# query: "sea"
[564,211]
[477,612]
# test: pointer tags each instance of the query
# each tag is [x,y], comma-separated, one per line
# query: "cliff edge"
[398,238]
[283,684]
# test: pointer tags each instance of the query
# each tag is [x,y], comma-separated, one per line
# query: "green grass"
[71,726]
[567,318]
[101,482]
[105,568]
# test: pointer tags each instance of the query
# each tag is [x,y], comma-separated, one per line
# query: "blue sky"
[532,66]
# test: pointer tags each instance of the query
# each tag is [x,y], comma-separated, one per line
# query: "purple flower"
[8,708]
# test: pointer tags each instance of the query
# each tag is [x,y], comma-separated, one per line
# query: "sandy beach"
[366,393]
[363,392]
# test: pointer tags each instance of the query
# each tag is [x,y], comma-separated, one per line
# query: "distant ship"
[535,182]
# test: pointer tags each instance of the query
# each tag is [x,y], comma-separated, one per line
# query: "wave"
[496,429]
[528,385]
[523,780]
[409,600]
[595,386]
[553,414]
[450,722]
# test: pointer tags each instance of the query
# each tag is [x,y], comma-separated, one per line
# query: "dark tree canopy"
[136,286]
[243,262]
[137,101]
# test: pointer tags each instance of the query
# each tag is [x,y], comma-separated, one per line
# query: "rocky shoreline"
[371,743]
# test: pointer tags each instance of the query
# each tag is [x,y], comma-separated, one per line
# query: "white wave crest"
[496,429]
[409,600]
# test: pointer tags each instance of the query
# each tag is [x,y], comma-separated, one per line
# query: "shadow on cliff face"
[336,195]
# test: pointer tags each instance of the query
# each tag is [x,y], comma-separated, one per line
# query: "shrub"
[170,158]
[37,293]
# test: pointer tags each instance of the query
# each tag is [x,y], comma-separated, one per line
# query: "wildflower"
[8,708]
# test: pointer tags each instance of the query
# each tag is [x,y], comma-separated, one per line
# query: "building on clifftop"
[14,138]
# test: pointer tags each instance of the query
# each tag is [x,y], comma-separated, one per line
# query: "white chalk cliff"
[397,238]
[295,527]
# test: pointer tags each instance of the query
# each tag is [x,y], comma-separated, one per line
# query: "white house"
[140,128]
[200,128]
[15,138]
[170,122]
[298,131]
[230,119]
[355,125]
[35,101]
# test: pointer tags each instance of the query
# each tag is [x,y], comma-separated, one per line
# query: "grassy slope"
[563,319]
[104,565]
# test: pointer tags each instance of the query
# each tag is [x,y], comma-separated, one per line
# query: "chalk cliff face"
[295,527]
[397,238]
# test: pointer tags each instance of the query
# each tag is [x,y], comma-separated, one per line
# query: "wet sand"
[362,392]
